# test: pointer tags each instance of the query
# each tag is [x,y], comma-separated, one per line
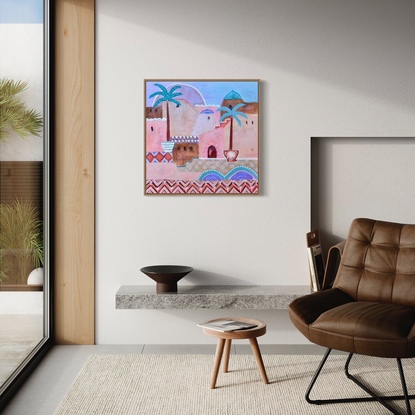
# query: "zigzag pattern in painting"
[202,187]
[158,157]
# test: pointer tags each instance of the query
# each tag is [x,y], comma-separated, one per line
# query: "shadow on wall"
[364,46]
[199,277]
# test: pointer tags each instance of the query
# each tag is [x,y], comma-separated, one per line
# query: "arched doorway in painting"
[212,153]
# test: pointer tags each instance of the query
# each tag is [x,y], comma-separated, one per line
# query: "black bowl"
[166,276]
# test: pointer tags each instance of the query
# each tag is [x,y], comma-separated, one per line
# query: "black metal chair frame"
[374,397]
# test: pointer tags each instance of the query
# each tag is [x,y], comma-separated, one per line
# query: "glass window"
[24,190]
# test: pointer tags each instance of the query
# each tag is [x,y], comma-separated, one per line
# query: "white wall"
[21,58]
[360,177]
[328,68]
[21,302]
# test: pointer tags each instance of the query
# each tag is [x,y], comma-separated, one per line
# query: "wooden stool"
[225,341]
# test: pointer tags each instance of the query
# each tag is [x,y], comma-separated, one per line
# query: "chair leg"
[313,380]
[404,388]
[381,399]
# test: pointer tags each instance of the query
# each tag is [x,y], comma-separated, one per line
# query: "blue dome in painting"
[207,111]
[233,95]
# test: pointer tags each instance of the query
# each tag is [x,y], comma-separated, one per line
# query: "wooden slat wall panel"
[74,172]
[22,180]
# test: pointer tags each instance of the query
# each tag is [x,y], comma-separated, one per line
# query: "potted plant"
[21,241]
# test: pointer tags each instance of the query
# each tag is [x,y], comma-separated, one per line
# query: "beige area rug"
[179,385]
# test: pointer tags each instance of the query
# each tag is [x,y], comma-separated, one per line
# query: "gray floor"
[19,335]
[48,384]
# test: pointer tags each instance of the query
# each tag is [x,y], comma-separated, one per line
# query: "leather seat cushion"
[331,318]
[376,329]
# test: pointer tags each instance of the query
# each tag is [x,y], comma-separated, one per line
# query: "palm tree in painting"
[233,113]
[166,96]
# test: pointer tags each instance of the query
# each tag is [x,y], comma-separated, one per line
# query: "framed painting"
[201,136]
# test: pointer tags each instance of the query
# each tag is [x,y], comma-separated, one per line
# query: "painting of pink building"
[201,137]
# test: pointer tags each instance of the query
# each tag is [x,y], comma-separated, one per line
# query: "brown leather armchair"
[370,309]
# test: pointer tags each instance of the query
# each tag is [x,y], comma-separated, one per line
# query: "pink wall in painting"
[155,133]
[215,138]
[245,138]
[183,118]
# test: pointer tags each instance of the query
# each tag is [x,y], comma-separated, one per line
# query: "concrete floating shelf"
[256,297]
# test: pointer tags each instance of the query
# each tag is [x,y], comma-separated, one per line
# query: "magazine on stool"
[227,325]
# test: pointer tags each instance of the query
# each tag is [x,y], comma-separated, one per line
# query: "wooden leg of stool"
[218,358]
[226,354]
[258,357]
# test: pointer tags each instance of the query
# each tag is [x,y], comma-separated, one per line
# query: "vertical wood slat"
[74,270]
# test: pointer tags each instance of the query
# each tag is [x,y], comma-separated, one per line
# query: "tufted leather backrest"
[378,262]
